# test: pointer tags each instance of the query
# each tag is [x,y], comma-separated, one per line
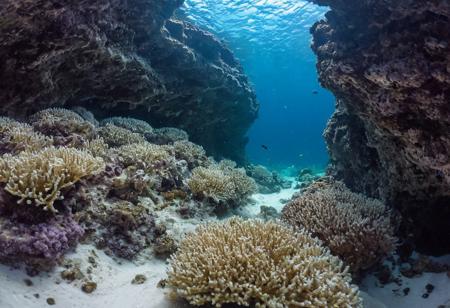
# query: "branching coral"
[97,147]
[40,176]
[142,155]
[116,136]
[192,153]
[167,135]
[211,182]
[243,185]
[262,264]
[358,229]
[62,123]
[221,182]
[134,125]
[16,137]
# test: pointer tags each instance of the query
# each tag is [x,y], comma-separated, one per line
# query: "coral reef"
[65,126]
[39,177]
[134,125]
[221,182]
[358,229]
[193,154]
[16,137]
[38,244]
[263,264]
[127,58]
[116,136]
[268,182]
[167,135]
[111,188]
[129,229]
[144,155]
[387,64]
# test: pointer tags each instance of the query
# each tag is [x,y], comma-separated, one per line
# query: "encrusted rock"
[387,64]
[130,58]
[89,287]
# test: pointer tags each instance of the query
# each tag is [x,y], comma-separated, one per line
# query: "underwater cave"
[248,153]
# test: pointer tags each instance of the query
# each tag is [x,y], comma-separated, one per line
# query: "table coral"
[255,263]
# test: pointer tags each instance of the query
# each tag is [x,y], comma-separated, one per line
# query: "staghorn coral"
[221,182]
[40,176]
[16,137]
[142,155]
[244,186]
[116,136]
[66,126]
[357,229]
[134,125]
[211,182]
[262,264]
[97,147]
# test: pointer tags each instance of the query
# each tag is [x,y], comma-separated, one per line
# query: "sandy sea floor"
[115,290]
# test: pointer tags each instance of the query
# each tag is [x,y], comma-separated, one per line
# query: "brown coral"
[265,264]
[358,229]
[40,176]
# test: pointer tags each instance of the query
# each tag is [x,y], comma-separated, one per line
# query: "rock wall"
[388,64]
[120,57]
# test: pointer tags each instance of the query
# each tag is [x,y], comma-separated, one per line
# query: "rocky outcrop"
[118,57]
[387,62]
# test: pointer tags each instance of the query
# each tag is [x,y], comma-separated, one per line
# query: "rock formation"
[388,64]
[118,57]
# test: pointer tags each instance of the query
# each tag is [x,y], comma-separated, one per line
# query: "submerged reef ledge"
[387,62]
[127,58]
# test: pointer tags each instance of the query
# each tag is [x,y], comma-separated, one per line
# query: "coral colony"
[74,179]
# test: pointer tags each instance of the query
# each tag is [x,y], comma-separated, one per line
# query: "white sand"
[273,200]
[391,295]
[114,286]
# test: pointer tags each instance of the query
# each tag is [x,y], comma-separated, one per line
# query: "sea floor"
[116,290]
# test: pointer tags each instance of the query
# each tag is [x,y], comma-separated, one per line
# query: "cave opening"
[271,39]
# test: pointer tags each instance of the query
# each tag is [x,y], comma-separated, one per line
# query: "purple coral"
[45,241]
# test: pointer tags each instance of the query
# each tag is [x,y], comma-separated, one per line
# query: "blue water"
[272,41]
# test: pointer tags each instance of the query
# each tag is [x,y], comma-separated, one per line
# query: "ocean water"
[272,41]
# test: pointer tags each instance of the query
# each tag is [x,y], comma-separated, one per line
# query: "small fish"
[265,147]
[300,155]
[315,92]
